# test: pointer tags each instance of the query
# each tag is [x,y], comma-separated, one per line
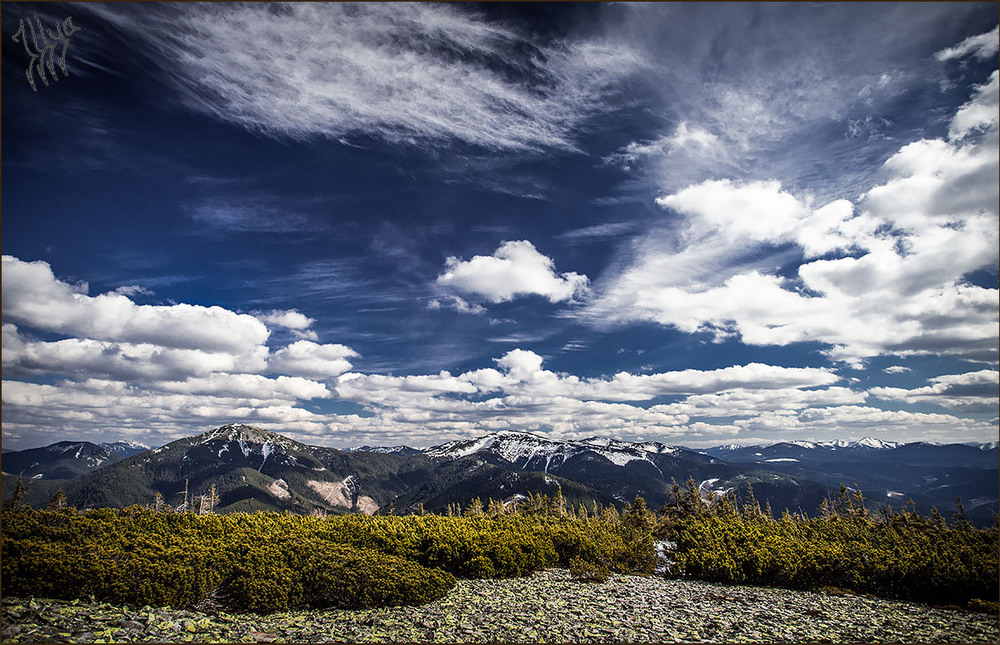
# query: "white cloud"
[35,298]
[754,212]
[309,359]
[289,319]
[515,269]
[458,304]
[897,369]
[296,322]
[690,141]
[406,72]
[969,391]
[151,372]
[133,290]
[248,385]
[982,46]
[599,231]
[883,276]
[95,409]
[520,364]
[124,361]
[980,113]
[778,402]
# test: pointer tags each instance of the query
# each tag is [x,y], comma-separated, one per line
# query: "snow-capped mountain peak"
[384,450]
[877,444]
[524,448]
[248,437]
[125,448]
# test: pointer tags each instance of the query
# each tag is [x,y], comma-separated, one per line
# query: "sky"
[393,223]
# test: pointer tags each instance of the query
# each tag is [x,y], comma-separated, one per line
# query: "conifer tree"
[57,501]
[557,506]
[475,508]
[16,501]
[959,520]
[692,500]
[637,516]
[751,507]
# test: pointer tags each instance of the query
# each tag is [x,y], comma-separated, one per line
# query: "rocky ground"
[546,607]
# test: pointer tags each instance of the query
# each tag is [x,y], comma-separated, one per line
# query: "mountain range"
[255,469]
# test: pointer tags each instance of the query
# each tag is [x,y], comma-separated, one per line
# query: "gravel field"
[546,607]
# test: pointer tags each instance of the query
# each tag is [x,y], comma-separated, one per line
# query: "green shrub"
[985,606]
[264,562]
[347,577]
[901,556]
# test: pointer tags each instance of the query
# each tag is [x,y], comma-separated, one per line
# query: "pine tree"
[637,516]
[475,508]
[16,501]
[692,504]
[57,501]
[959,520]
[860,509]
[557,506]
[751,507]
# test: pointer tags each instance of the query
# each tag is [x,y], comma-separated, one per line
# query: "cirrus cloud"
[406,73]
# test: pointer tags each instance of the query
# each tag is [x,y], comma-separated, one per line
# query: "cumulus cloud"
[971,391]
[125,361]
[313,360]
[980,113]
[98,408]
[403,72]
[885,275]
[765,400]
[145,371]
[294,321]
[515,269]
[981,46]
[754,212]
[708,406]
[34,297]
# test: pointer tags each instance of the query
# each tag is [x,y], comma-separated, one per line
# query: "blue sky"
[409,223]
